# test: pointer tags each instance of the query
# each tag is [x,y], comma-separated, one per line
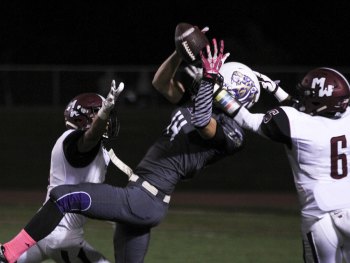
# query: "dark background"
[283,38]
[141,32]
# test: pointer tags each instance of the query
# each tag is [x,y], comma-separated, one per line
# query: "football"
[189,41]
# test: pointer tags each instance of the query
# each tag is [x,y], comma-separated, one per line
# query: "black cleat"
[2,256]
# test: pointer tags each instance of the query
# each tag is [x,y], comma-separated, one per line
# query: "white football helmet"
[241,82]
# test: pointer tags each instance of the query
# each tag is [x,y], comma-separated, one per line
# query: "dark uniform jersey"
[178,154]
[181,152]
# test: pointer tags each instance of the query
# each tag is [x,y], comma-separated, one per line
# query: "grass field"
[197,233]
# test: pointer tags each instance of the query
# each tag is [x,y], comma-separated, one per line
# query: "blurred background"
[53,50]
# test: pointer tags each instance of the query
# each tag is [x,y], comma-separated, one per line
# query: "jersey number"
[338,159]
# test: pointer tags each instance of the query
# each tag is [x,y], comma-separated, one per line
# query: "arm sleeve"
[249,121]
[72,154]
[203,104]
[276,126]
[273,125]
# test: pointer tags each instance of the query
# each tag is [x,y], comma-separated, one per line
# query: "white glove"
[271,86]
[205,29]
[194,72]
[109,102]
[266,83]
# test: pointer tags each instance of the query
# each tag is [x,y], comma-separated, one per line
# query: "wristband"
[280,94]
[275,90]
[226,102]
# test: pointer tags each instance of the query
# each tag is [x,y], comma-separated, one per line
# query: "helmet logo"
[242,87]
[70,108]
[76,110]
[323,91]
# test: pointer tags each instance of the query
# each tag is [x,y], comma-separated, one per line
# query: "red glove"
[212,63]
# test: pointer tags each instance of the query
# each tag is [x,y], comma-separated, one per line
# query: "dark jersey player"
[197,135]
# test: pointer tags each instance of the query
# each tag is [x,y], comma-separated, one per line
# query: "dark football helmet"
[323,91]
[81,110]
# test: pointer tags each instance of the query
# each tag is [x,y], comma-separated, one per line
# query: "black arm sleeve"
[72,154]
[276,126]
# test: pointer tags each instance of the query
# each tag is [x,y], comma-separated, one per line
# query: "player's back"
[181,152]
[62,172]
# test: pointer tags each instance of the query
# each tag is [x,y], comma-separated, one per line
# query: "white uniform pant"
[327,240]
[63,245]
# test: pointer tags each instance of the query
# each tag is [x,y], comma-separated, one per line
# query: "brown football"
[189,41]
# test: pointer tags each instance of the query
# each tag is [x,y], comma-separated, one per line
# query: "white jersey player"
[316,135]
[78,156]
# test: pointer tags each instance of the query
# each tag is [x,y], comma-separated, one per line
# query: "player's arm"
[202,113]
[273,125]
[164,79]
[164,82]
[202,118]
[273,87]
[93,135]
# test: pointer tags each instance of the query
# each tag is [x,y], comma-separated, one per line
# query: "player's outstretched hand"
[212,62]
[266,83]
[194,72]
[205,29]
[274,88]
[109,102]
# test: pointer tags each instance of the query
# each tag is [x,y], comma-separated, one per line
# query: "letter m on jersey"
[323,91]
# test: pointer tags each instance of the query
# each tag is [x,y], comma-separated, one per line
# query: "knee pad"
[69,199]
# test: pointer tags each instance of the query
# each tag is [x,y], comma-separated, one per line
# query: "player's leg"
[33,255]
[322,242]
[87,253]
[101,201]
[41,224]
[68,245]
[346,250]
[341,219]
[131,204]
[64,199]
[130,243]
[76,253]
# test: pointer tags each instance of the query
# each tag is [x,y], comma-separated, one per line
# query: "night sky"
[142,32]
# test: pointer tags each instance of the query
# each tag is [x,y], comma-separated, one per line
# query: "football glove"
[205,29]
[109,102]
[271,86]
[194,72]
[212,63]
[196,75]
[266,83]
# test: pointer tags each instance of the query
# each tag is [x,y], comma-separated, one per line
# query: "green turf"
[197,235]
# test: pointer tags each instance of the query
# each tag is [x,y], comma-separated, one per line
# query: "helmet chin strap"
[68,123]
[321,109]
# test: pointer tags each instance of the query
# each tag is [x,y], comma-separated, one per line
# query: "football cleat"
[2,256]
